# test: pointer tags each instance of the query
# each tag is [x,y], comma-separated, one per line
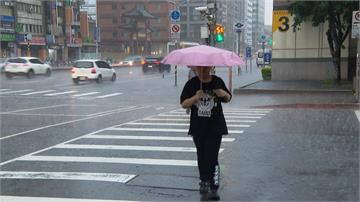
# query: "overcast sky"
[268,12]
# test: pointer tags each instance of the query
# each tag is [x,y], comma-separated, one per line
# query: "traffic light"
[219,33]
[270,41]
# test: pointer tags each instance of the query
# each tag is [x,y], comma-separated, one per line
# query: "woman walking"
[204,94]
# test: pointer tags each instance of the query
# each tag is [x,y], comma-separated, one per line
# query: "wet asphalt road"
[127,141]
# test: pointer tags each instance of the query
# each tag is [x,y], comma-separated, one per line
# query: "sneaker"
[213,195]
[204,187]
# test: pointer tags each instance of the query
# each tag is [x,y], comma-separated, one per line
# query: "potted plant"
[266,73]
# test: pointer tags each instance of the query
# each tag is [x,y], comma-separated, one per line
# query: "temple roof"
[139,12]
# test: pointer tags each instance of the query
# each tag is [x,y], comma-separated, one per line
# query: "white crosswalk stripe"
[15,91]
[109,95]
[38,92]
[85,94]
[61,93]
[147,143]
[4,89]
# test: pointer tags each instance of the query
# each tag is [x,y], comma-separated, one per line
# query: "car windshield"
[17,60]
[152,59]
[84,64]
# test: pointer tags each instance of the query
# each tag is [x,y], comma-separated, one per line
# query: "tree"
[337,13]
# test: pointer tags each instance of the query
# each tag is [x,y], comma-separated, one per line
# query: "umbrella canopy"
[203,55]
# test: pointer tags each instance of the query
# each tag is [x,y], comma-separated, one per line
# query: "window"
[114,20]
[123,20]
[115,34]
[102,64]
[35,61]
[114,6]
[17,60]
[123,7]
[84,65]
[30,28]
[158,7]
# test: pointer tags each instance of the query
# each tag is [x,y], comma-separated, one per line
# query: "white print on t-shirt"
[205,105]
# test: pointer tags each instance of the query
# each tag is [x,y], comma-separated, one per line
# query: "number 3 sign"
[281,20]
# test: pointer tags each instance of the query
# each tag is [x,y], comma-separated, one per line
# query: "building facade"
[133,27]
[7,28]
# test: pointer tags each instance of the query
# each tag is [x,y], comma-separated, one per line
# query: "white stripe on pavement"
[230,117]
[109,95]
[187,120]
[109,177]
[177,124]
[84,94]
[357,113]
[61,93]
[141,161]
[52,199]
[164,130]
[4,89]
[228,113]
[38,92]
[133,137]
[127,147]
[31,109]
[15,91]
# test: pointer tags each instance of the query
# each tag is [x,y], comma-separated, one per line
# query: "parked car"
[28,66]
[87,70]
[153,63]
[132,61]
[3,62]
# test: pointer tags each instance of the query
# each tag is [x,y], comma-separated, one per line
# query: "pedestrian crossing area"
[125,152]
[57,93]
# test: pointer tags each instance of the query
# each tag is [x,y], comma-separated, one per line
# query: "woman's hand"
[190,101]
[222,94]
[199,94]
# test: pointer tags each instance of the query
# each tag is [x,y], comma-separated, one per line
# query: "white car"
[28,66]
[98,70]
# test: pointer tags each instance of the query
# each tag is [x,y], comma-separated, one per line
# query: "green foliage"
[266,73]
[338,14]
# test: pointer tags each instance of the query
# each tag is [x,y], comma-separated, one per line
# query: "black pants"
[207,148]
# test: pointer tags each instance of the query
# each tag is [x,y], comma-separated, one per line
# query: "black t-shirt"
[207,117]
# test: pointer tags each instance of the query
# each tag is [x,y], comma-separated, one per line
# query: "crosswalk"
[157,144]
[56,93]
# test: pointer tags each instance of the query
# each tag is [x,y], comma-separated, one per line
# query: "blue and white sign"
[175,15]
[248,52]
[267,58]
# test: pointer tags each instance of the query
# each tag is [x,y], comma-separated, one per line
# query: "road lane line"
[140,161]
[52,199]
[84,94]
[108,177]
[228,113]
[229,117]
[137,137]
[67,122]
[30,109]
[4,89]
[165,130]
[109,95]
[38,92]
[188,120]
[113,110]
[178,124]
[61,93]
[15,91]
[128,147]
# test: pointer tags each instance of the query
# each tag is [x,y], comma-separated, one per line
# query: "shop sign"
[6,18]
[7,37]
[18,28]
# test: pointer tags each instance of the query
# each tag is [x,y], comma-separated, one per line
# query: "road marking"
[84,94]
[133,137]
[141,161]
[165,130]
[178,124]
[61,93]
[113,110]
[4,89]
[188,120]
[52,199]
[227,113]
[67,122]
[109,177]
[127,147]
[109,95]
[357,113]
[228,117]
[30,109]
[15,91]
[38,92]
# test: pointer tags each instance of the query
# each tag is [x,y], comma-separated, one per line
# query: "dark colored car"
[153,63]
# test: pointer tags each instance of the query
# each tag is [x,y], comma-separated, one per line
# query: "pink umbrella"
[203,55]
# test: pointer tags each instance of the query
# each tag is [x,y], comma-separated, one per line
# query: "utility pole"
[211,17]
